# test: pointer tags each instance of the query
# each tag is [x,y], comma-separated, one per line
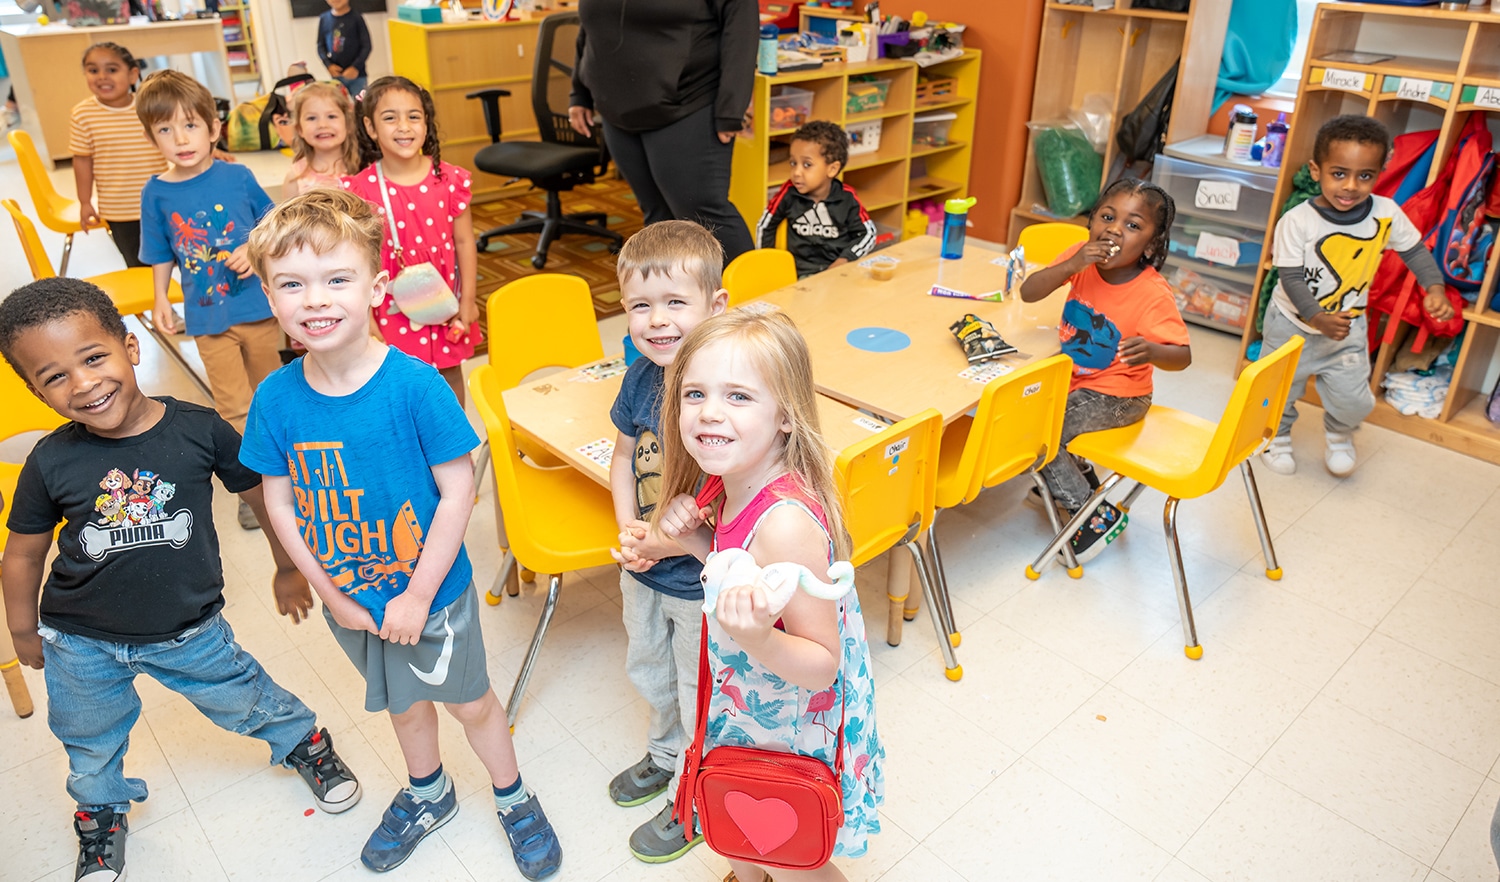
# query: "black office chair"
[561,160]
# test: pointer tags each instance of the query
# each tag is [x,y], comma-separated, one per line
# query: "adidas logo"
[816,222]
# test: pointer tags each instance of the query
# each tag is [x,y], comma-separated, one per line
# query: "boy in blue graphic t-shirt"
[365,453]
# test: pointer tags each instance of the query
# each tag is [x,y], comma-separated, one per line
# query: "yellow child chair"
[888,483]
[1186,457]
[757,273]
[538,321]
[1045,242]
[557,519]
[132,290]
[24,412]
[1016,430]
[58,213]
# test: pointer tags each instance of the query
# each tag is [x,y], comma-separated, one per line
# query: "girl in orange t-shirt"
[1120,321]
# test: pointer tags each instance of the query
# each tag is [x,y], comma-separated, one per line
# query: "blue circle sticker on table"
[878,339]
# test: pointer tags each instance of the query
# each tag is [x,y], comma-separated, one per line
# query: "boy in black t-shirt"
[826,224]
[137,585]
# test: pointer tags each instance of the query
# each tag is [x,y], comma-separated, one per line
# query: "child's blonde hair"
[321,219]
[162,94]
[778,351]
[334,94]
[674,246]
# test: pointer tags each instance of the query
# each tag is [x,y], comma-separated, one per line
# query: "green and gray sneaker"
[640,783]
[661,839]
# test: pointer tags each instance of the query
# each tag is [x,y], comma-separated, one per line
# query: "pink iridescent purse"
[418,292]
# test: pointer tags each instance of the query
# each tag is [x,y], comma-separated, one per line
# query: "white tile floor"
[1343,723]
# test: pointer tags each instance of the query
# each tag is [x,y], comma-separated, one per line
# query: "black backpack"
[1143,131]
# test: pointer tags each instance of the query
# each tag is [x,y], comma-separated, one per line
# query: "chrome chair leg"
[482,464]
[175,354]
[1035,570]
[1050,507]
[1131,497]
[937,602]
[548,608]
[1273,569]
[62,267]
[939,577]
[1179,576]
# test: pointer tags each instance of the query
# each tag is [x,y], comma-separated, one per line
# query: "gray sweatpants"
[1087,411]
[1342,368]
[661,659]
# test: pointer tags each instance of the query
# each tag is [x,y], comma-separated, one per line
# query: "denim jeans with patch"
[1087,411]
[92,703]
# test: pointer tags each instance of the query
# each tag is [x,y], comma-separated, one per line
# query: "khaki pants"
[236,361]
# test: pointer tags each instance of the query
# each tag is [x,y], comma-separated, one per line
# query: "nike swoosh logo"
[439,672]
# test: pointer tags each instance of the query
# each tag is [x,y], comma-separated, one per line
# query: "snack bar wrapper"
[980,340]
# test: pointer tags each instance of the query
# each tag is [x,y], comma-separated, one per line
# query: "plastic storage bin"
[790,107]
[1209,191]
[1187,232]
[866,94]
[864,137]
[1209,300]
[931,129]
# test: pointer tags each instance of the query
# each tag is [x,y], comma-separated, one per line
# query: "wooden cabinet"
[452,60]
[1444,63]
[1121,53]
[239,40]
[898,171]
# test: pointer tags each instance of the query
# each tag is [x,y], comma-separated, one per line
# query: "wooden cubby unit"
[1458,53]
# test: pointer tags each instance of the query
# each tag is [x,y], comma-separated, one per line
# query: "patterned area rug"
[509,257]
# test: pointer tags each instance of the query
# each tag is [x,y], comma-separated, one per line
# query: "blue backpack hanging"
[1464,235]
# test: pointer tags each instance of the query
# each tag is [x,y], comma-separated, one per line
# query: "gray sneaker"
[640,783]
[101,845]
[661,839]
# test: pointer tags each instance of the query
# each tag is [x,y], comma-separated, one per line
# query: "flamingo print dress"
[751,707]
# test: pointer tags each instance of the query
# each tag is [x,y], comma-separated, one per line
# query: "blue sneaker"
[404,824]
[533,842]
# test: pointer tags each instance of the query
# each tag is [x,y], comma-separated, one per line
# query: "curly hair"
[1352,127]
[370,102]
[48,300]
[1163,209]
[832,141]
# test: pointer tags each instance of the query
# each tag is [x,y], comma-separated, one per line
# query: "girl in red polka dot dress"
[429,206]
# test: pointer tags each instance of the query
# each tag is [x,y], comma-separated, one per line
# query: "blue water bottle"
[765,59]
[955,224]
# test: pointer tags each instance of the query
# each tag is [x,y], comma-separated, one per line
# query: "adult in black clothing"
[670,81]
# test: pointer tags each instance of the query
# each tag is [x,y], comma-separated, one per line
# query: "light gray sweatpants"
[661,659]
[1342,368]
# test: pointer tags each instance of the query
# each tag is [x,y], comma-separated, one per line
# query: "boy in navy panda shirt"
[826,224]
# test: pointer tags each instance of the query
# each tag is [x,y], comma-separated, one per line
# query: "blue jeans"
[92,703]
[355,86]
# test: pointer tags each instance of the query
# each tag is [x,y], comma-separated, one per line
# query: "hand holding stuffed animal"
[735,566]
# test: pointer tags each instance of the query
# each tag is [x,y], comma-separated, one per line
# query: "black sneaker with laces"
[334,787]
[1103,527]
[101,845]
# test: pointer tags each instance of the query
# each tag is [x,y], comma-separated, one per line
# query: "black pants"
[682,172]
[127,237]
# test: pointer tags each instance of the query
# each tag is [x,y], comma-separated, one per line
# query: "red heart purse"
[764,807]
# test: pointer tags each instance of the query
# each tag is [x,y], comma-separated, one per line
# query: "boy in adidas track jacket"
[826,224]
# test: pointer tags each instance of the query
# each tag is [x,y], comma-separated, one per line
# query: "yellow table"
[568,411]
[831,306]
[46,67]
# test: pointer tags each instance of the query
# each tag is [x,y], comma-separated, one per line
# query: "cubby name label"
[1487,96]
[1347,80]
[1217,196]
[1414,90]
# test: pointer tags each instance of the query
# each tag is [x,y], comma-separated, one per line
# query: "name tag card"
[1414,90]
[1345,80]
[1487,96]
[1217,196]
[1217,249]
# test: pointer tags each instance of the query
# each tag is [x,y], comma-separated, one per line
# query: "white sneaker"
[1339,457]
[1278,456]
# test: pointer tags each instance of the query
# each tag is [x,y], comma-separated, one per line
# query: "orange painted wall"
[1006,31]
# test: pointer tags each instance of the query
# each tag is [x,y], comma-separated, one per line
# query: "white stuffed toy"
[735,566]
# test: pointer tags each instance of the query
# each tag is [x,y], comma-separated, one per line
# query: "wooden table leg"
[10,668]
[897,589]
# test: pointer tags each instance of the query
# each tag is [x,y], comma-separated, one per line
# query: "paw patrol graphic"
[647,473]
[1088,337]
[132,514]
[357,552]
[1351,263]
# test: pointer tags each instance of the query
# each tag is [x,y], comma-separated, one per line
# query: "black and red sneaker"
[101,845]
[333,786]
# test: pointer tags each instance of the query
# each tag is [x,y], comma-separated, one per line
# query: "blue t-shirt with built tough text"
[196,224]
[637,413]
[361,471]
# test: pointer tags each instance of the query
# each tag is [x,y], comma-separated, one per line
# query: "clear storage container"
[931,129]
[1209,191]
[790,107]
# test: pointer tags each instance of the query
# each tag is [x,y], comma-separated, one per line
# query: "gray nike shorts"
[447,665]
